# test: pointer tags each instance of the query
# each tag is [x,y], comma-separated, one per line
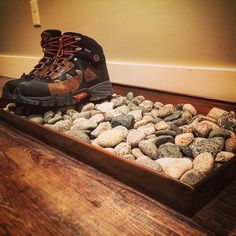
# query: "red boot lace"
[68,46]
[50,49]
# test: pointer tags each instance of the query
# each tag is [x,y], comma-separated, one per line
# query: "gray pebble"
[146,106]
[78,135]
[169,150]
[164,139]
[174,116]
[180,121]
[123,120]
[148,162]
[165,132]
[213,145]
[219,133]
[175,128]
[148,148]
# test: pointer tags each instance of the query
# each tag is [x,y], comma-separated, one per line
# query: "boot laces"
[67,48]
[50,49]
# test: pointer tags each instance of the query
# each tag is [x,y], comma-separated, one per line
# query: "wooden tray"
[170,191]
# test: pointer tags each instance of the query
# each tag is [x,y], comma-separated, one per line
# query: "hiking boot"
[50,40]
[78,71]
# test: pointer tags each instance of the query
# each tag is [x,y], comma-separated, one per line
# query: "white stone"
[98,118]
[101,128]
[134,137]
[110,138]
[105,106]
[175,167]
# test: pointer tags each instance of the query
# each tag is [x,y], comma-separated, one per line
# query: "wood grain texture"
[45,192]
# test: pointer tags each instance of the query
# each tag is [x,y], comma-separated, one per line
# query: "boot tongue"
[50,33]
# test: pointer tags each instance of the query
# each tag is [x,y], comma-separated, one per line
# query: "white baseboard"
[217,83]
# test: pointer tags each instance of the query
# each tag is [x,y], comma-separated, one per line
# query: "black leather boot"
[78,71]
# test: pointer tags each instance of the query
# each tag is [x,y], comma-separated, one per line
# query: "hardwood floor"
[46,192]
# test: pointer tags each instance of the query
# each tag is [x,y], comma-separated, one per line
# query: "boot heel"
[100,91]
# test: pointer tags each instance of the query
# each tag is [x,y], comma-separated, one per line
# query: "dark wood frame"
[180,196]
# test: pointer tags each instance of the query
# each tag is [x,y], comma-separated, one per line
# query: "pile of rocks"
[171,139]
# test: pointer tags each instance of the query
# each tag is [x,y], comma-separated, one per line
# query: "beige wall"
[180,32]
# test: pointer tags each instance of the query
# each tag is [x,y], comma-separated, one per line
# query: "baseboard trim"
[209,82]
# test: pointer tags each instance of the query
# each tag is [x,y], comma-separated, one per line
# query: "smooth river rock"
[175,167]
[110,138]
[184,140]
[123,120]
[148,162]
[78,135]
[148,148]
[123,149]
[134,137]
[101,128]
[203,162]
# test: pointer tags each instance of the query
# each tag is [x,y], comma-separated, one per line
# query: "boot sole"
[95,93]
